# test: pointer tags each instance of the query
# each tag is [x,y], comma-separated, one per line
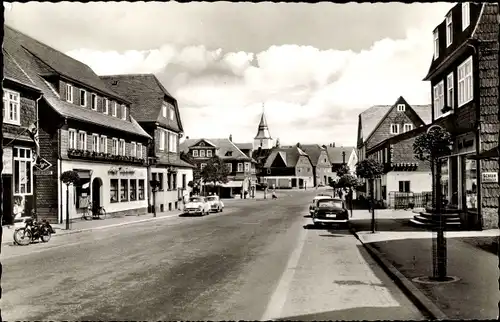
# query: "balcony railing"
[101,156]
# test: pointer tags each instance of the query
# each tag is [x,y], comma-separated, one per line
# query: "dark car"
[331,211]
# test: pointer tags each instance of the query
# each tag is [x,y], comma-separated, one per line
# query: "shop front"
[120,189]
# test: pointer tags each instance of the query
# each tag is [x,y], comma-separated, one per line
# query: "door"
[7,200]
[294,182]
[96,193]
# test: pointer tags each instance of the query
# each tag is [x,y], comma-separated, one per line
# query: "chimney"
[231,137]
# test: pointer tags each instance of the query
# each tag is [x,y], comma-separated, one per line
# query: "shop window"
[23,171]
[444,180]
[404,186]
[469,176]
[82,192]
[133,190]
[113,190]
[141,189]
[123,190]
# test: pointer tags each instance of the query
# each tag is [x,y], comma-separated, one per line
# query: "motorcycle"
[32,231]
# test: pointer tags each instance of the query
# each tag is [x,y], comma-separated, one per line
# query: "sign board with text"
[7,161]
[490,177]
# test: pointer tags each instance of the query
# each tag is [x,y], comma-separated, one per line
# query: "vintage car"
[313,205]
[331,211]
[216,205]
[197,205]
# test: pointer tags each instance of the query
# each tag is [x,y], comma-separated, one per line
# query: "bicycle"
[98,212]
[86,214]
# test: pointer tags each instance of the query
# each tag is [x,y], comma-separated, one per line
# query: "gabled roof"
[244,146]
[314,152]
[335,154]
[146,93]
[23,47]
[14,72]
[290,156]
[223,146]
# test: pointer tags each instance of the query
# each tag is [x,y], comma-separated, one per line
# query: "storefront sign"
[7,161]
[465,143]
[43,173]
[490,177]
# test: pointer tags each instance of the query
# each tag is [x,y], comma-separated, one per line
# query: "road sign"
[42,164]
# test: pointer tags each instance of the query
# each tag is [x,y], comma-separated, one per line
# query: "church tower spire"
[263,138]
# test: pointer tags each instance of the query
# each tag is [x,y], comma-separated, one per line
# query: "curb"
[63,232]
[416,296]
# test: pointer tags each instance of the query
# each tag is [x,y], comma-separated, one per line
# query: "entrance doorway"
[294,182]
[96,193]
[7,218]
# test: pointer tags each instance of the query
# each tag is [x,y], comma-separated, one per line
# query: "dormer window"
[124,112]
[436,44]
[449,30]
[229,153]
[171,114]
[69,93]
[93,102]
[115,109]
[164,110]
[465,15]
[106,106]
[401,107]
[83,97]
[394,128]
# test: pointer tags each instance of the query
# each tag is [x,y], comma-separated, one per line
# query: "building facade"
[85,127]
[464,80]
[158,114]
[322,167]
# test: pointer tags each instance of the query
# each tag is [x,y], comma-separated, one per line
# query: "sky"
[312,67]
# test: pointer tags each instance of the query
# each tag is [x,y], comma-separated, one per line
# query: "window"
[209,153]
[72,139]
[113,190]
[171,113]
[465,89]
[106,106]
[11,107]
[141,189]
[133,190]
[449,30]
[174,181]
[124,190]
[247,166]
[122,147]
[230,167]
[139,150]
[202,166]
[164,110]
[404,186]
[436,44]
[408,127]
[172,142]
[449,91]
[93,103]
[394,128]
[184,185]
[133,149]
[195,153]
[465,15]
[169,182]
[23,171]
[202,153]
[95,143]
[401,107]
[160,179]
[103,144]
[240,167]
[438,99]
[229,153]
[115,108]
[115,146]
[82,140]
[69,93]
[124,112]
[83,97]
[162,140]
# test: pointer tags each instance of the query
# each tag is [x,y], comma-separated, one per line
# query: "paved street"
[253,261]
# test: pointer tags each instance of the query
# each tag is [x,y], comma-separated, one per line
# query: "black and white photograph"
[250,161]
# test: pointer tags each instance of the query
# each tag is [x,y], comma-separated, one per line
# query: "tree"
[69,178]
[349,183]
[343,170]
[215,171]
[370,169]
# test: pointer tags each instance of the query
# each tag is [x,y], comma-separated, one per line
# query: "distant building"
[322,167]
[341,155]
[263,138]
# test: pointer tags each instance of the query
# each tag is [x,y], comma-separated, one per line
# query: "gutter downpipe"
[37,146]
[59,169]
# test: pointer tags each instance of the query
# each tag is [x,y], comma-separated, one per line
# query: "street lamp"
[155,185]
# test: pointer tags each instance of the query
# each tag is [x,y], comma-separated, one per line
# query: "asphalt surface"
[256,260]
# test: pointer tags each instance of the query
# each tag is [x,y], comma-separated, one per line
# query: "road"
[256,260]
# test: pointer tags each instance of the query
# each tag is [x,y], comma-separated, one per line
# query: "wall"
[101,171]
[419,181]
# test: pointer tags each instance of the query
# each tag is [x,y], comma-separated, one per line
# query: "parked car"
[197,206]
[216,205]
[313,205]
[331,211]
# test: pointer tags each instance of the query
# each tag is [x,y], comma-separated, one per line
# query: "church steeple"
[263,138]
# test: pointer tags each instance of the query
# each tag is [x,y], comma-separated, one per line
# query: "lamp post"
[155,184]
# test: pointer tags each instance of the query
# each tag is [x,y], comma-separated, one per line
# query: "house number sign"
[490,177]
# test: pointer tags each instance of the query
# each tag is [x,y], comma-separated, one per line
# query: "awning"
[489,154]
[232,184]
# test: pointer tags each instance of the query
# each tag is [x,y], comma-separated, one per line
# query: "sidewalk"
[406,253]
[77,225]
